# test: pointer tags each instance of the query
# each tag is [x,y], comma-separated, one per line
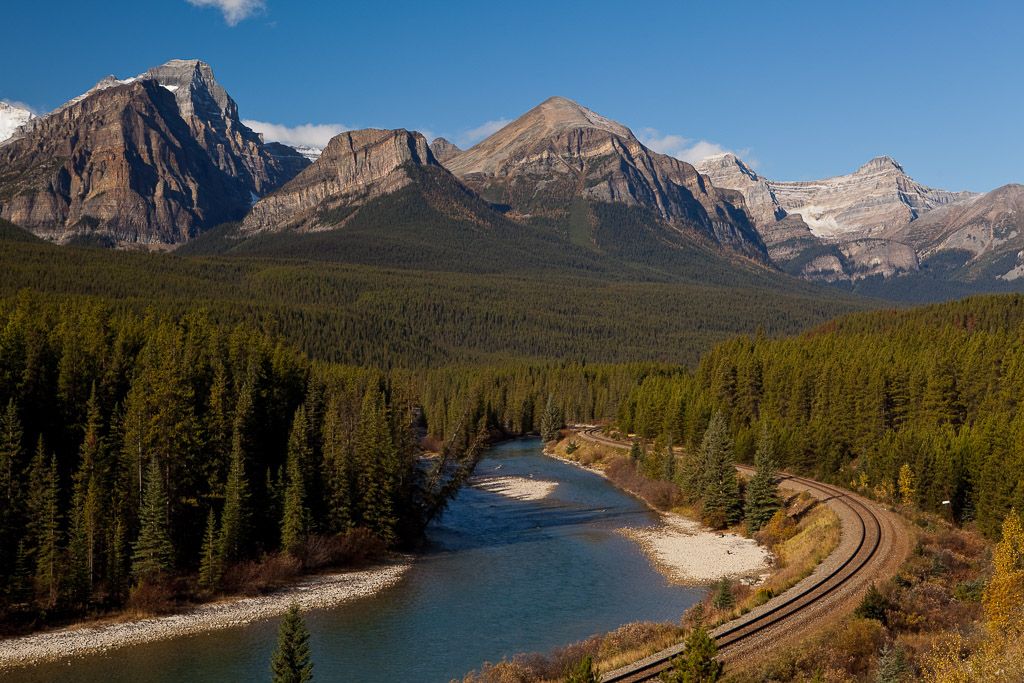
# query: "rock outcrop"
[559,152]
[147,161]
[354,168]
[443,150]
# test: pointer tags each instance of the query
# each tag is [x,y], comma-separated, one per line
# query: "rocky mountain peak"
[196,90]
[355,167]
[443,150]
[880,163]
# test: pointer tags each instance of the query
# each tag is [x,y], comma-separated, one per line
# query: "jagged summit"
[195,89]
[154,159]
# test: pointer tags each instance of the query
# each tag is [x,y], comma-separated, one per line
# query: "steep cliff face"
[120,165]
[354,168]
[559,151]
[147,161]
[212,116]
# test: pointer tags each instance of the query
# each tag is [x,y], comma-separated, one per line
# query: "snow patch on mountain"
[12,118]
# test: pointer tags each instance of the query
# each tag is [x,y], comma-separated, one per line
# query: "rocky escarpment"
[354,168]
[559,152]
[148,161]
[120,165]
[443,150]
[838,229]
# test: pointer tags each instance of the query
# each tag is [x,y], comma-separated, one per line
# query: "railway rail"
[865,545]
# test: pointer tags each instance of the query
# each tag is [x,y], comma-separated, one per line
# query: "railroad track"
[864,536]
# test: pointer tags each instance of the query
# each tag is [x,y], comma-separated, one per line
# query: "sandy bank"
[688,553]
[519,488]
[311,593]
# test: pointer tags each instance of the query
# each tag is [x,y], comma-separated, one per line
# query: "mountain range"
[158,160]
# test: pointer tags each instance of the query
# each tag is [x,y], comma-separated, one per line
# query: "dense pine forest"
[386,315]
[922,404]
[122,437]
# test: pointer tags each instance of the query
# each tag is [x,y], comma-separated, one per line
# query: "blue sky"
[803,89]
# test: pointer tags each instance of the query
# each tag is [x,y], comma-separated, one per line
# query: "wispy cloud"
[472,136]
[311,134]
[21,105]
[234,11]
[688,149]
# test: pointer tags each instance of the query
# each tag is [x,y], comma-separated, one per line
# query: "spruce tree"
[634,451]
[234,522]
[550,420]
[376,456]
[85,510]
[152,551]
[210,562]
[291,661]
[723,505]
[11,499]
[337,466]
[724,598]
[668,463]
[762,493]
[295,519]
[697,663]
[48,551]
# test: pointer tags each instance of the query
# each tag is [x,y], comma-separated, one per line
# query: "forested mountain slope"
[937,388]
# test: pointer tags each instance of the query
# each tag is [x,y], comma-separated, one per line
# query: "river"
[500,576]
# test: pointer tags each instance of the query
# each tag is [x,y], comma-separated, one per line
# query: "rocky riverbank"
[314,592]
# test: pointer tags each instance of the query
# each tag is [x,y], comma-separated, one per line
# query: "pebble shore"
[314,592]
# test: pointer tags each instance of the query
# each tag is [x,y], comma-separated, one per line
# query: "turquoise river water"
[499,577]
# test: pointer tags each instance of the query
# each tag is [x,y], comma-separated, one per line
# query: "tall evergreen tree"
[338,471]
[153,552]
[86,507]
[291,662]
[295,520]
[11,500]
[762,493]
[550,420]
[235,518]
[377,458]
[210,561]
[723,505]
[48,550]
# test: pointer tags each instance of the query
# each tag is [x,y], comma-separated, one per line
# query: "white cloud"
[234,10]
[311,134]
[21,105]
[688,149]
[470,137]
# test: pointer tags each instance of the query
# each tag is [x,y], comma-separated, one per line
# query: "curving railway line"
[872,545]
